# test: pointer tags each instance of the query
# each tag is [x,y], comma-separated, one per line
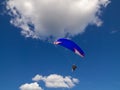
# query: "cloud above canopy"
[52,19]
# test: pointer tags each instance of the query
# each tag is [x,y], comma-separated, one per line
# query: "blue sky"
[21,58]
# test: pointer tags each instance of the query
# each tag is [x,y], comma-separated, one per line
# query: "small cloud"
[31,86]
[75,80]
[37,78]
[56,81]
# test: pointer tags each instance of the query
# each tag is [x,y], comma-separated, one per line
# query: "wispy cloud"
[51,19]
[114,31]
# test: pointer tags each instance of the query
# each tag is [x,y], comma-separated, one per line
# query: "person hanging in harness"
[74,67]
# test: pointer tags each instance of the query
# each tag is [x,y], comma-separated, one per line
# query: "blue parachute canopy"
[70,45]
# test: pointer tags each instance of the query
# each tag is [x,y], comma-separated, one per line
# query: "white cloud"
[75,80]
[51,81]
[31,86]
[57,81]
[45,19]
[37,78]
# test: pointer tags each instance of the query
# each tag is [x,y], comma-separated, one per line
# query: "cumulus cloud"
[51,19]
[56,81]
[51,81]
[31,86]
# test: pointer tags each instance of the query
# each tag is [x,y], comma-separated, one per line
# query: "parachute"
[70,45]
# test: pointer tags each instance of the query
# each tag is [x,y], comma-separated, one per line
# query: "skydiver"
[74,67]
